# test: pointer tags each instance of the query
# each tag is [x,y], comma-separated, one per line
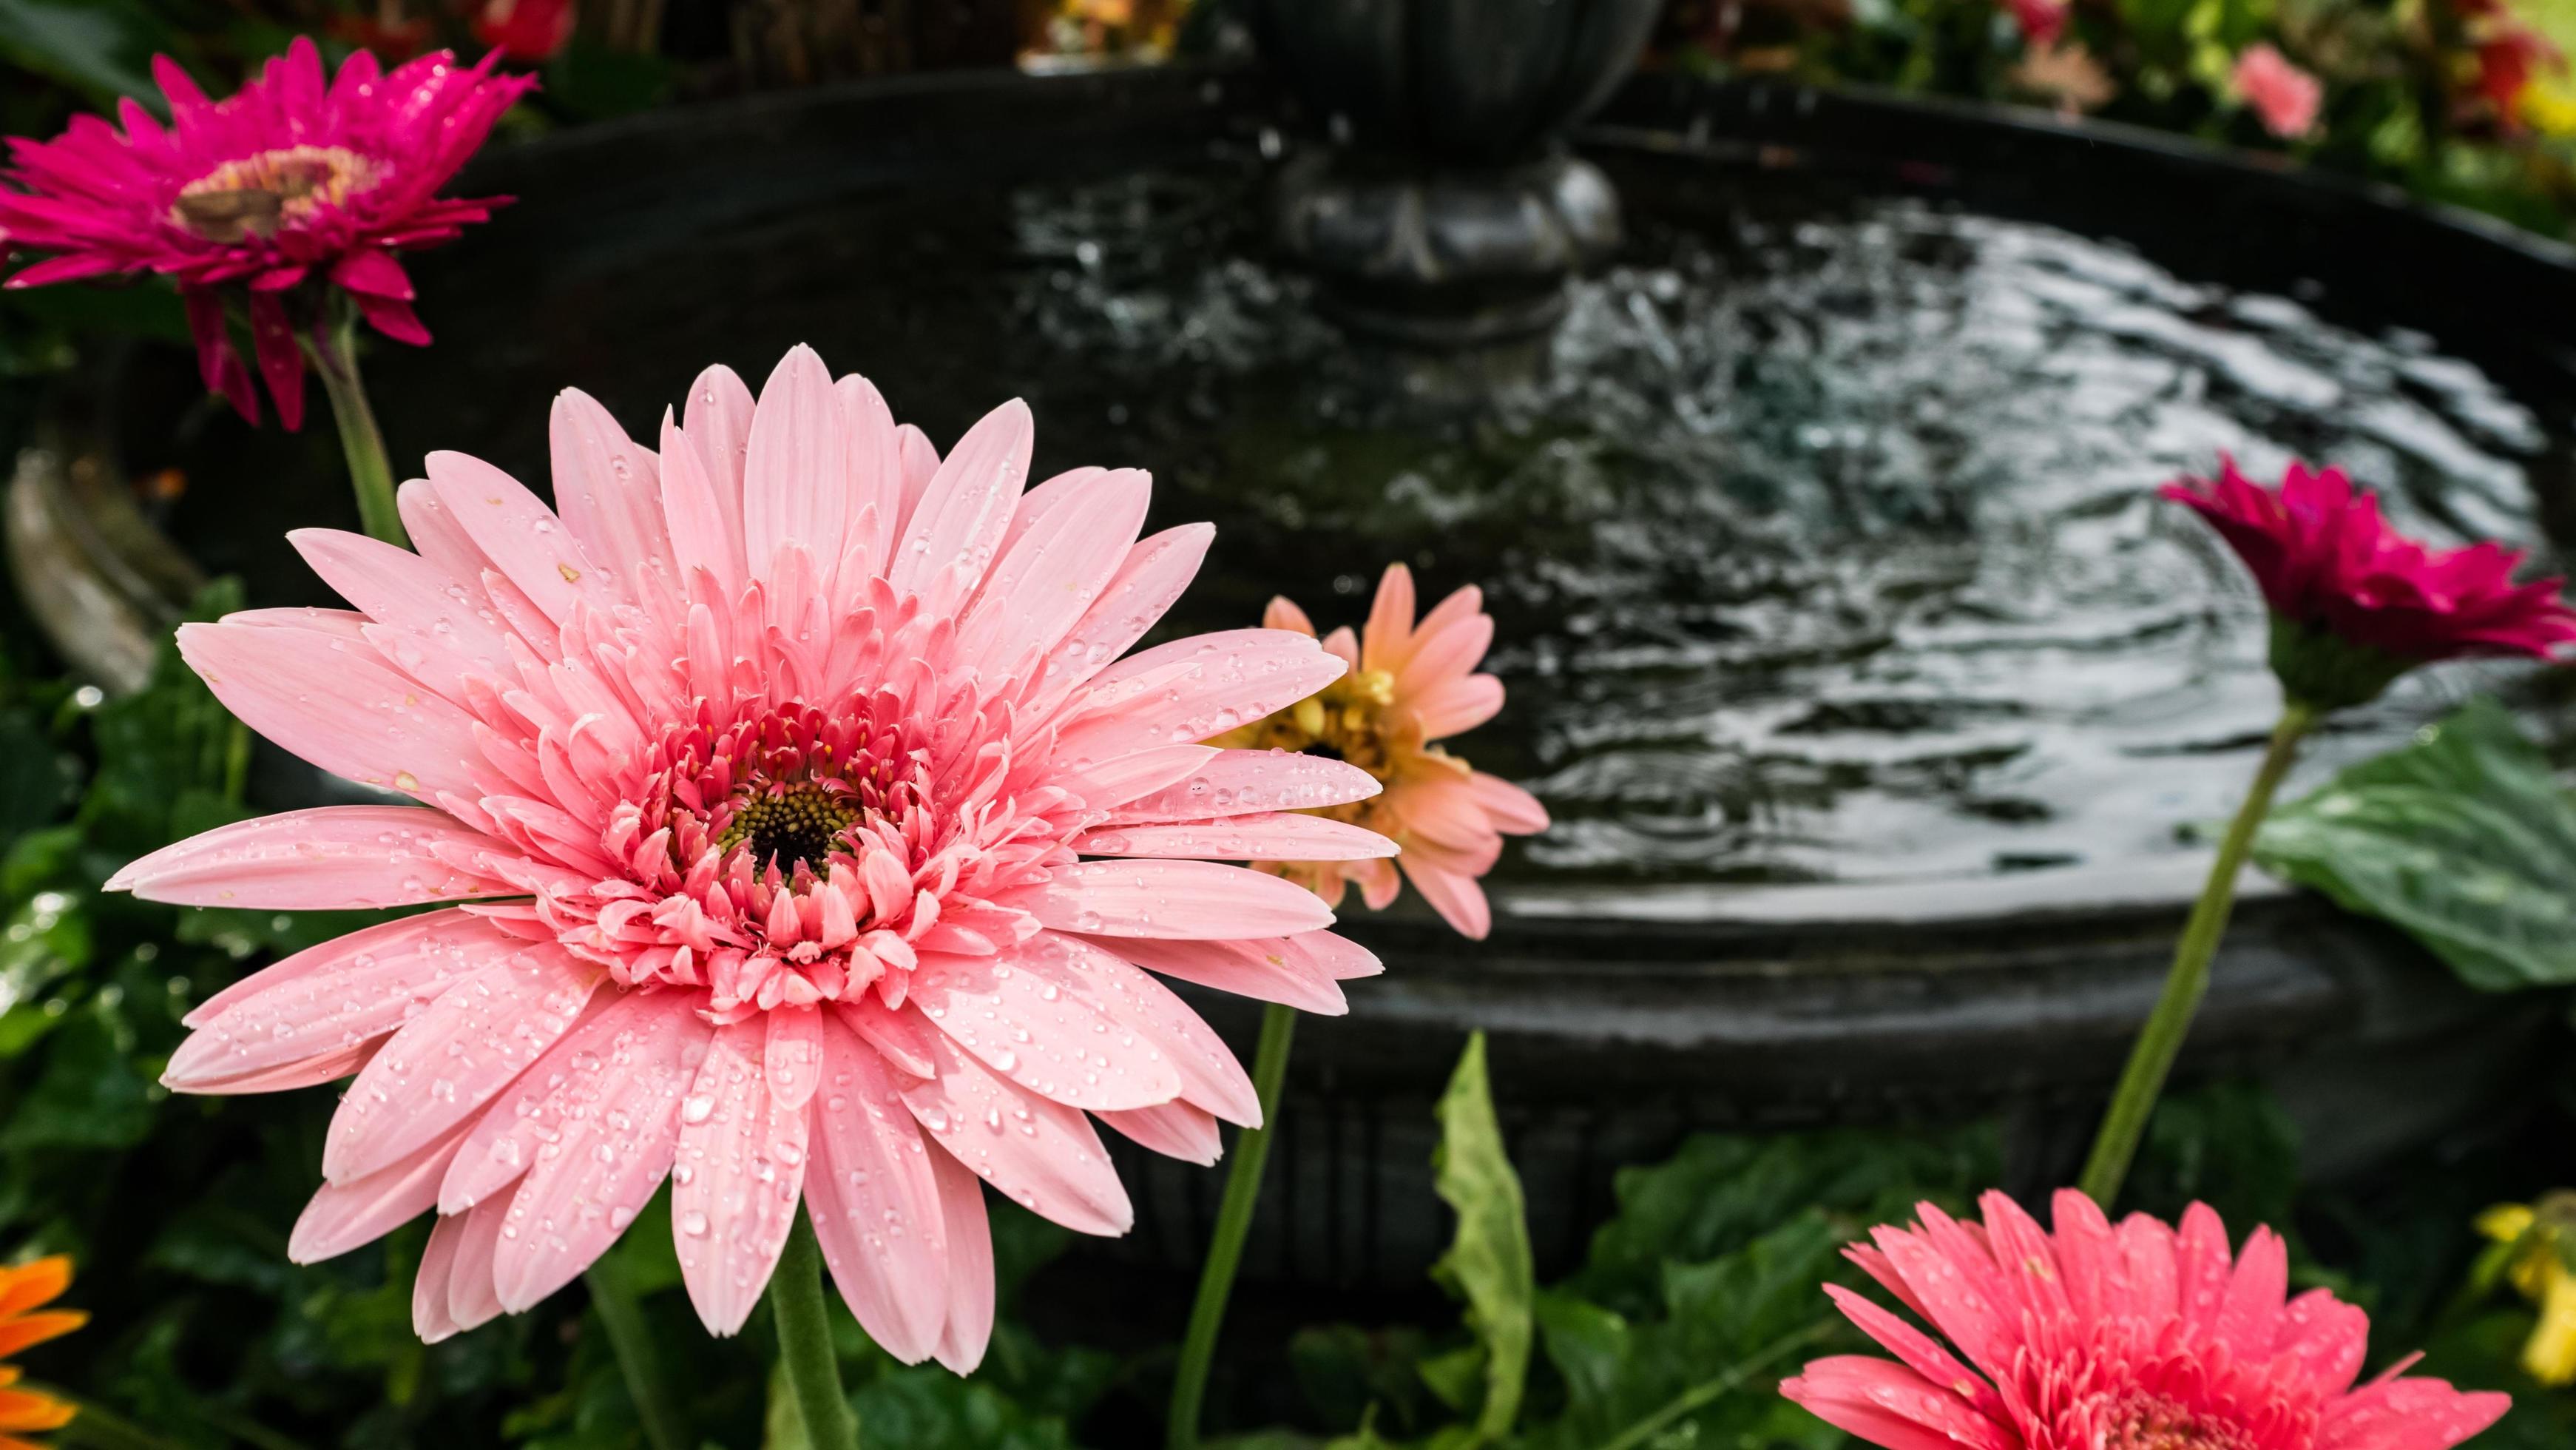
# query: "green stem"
[371,473]
[805,1342]
[2188,979]
[613,1298]
[1233,1221]
[1702,1394]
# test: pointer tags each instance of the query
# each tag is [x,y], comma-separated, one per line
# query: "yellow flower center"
[256,195]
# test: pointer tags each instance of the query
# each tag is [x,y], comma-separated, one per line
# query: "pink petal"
[1175,1130]
[429,1317]
[523,538]
[874,1200]
[1444,651]
[1172,900]
[795,485]
[2407,1414]
[1014,1014]
[1281,837]
[1456,706]
[734,1189]
[960,521]
[1107,784]
[1387,641]
[1508,808]
[718,420]
[2249,1317]
[1147,584]
[1059,566]
[705,532]
[616,1129]
[429,622]
[969,1323]
[1248,781]
[608,491]
[1888,1405]
[462,1049]
[1237,676]
[1208,1074]
[1451,889]
[328,998]
[344,1216]
[374,273]
[1038,1152]
[327,858]
[1266,970]
[332,702]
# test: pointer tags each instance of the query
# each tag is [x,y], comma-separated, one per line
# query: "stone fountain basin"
[1624,1009]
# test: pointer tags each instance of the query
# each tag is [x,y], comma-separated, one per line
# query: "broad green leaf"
[2463,838]
[1488,1263]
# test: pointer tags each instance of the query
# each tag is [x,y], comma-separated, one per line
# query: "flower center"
[2157,1423]
[799,826]
[258,194]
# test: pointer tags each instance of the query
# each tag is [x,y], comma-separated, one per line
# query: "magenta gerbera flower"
[288,189]
[758,786]
[2098,1337]
[2354,602]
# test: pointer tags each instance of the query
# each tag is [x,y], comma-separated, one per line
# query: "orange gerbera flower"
[25,1289]
[1408,686]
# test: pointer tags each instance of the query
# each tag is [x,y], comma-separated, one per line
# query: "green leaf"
[102,48]
[2463,838]
[1488,1262]
[90,1095]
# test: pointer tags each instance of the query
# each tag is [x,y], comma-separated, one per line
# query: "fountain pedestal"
[1444,210]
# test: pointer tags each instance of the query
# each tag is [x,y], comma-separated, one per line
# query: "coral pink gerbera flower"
[2096,1337]
[758,784]
[2354,602]
[1408,686]
[289,189]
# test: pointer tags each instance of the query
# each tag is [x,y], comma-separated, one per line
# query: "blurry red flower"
[525,30]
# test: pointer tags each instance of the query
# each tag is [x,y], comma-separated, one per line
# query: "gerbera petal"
[1036,1151]
[328,858]
[451,1058]
[616,1128]
[1277,837]
[608,491]
[961,519]
[1266,970]
[330,701]
[344,1216]
[874,1200]
[1174,1129]
[1177,900]
[1016,1017]
[740,1173]
[795,486]
[968,1326]
[328,998]
[1251,781]
[1059,565]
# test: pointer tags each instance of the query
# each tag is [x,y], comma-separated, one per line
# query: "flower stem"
[1233,1221]
[1709,1391]
[614,1300]
[805,1342]
[2187,981]
[371,473]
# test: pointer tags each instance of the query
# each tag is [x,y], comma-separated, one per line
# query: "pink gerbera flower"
[2354,602]
[2097,1337]
[1408,686]
[285,191]
[758,784]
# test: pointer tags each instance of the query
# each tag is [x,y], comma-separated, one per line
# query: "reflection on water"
[1820,539]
